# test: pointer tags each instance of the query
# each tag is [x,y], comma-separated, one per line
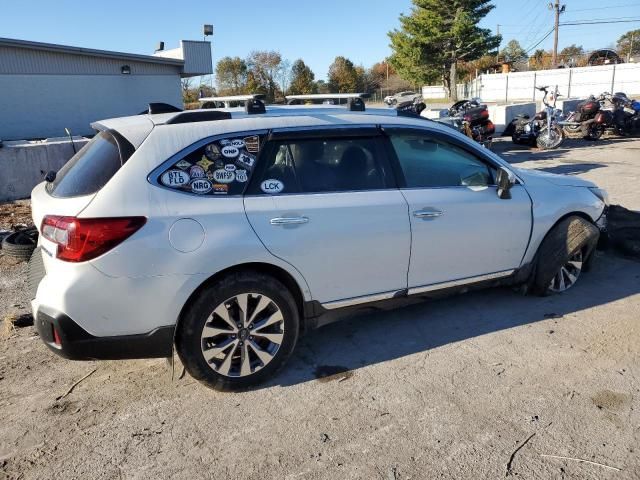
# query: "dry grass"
[8,325]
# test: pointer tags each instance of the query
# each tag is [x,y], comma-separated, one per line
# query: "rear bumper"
[75,343]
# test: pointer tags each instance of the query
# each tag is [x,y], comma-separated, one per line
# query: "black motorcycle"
[614,113]
[543,129]
[471,118]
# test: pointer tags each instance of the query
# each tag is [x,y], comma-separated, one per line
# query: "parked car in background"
[226,234]
[402,97]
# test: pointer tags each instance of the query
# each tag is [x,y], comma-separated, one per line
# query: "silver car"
[401,98]
[226,234]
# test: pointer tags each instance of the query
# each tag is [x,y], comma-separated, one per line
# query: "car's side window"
[219,167]
[429,162]
[322,165]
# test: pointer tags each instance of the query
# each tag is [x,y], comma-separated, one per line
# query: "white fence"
[572,82]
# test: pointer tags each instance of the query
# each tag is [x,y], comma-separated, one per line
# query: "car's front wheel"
[239,331]
[563,255]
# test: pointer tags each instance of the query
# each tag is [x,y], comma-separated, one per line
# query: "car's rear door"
[461,230]
[326,202]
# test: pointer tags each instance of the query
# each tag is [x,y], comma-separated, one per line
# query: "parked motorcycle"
[471,118]
[614,113]
[543,129]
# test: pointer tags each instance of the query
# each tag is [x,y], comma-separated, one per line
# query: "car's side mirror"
[505,180]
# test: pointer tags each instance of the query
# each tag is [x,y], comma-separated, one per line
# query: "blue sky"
[315,31]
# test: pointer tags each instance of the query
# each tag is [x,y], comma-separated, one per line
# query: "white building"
[46,87]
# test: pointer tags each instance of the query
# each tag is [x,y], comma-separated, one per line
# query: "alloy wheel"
[242,335]
[568,274]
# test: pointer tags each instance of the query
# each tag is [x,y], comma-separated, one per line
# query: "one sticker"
[217,164]
[212,151]
[241,176]
[219,188]
[175,178]
[272,186]
[204,163]
[237,143]
[183,164]
[230,167]
[201,186]
[223,176]
[197,172]
[252,144]
[246,160]
[224,142]
[230,151]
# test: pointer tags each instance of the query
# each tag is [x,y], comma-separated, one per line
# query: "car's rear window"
[92,167]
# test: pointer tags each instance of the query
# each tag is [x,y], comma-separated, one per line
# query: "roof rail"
[198,116]
[355,101]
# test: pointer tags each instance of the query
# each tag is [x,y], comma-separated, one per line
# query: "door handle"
[428,213]
[289,220]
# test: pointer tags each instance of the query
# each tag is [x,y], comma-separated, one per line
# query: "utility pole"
[557,10]
[498,52]
[630,49]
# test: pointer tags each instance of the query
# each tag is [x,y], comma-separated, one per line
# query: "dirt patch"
[608,400]
[16,214]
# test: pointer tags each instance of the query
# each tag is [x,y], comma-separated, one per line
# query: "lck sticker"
[272,186]
[175,178]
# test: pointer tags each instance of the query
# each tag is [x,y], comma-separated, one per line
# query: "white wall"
[572,82]
[40,106]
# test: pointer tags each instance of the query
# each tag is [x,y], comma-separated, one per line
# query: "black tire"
[188,333]
[20,244]
[594,132]
[571,235]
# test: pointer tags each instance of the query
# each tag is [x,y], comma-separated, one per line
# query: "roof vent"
[199,116]
[254,106]
[160,47]
[158,107]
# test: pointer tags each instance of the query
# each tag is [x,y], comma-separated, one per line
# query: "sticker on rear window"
[237,143]
[246,160]
[212,151]
[197,172]
[183,164]
[241,176]
[220,188]
[252,144]
[201,186]
[272,186]
[175,178]
[204,163]
[223,176]
[230,167]
[230,151]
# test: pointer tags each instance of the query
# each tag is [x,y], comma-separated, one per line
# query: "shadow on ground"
[373,337]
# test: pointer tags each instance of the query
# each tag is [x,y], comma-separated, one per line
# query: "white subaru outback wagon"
[227,233]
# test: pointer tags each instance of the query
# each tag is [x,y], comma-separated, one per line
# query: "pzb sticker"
[272,186]
[175,178]
[223,176]
[201,186]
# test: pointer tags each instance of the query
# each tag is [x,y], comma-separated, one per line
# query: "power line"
[596,22]
[607,7]
[541,40]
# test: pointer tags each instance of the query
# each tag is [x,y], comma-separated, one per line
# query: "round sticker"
[175,178]
[224,142]
[223,176]
[237,143]
[230,167]
[241,176]
[197,172]
[272,186]
[201,185]
[230,151]
[212,151]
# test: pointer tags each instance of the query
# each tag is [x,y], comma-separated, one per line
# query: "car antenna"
[71,138]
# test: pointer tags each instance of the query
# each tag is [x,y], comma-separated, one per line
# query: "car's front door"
[326,202]
[461,230]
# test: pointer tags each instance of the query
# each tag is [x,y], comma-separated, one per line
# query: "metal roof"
[52,47]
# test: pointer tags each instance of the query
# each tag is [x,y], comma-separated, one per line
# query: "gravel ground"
[484,385]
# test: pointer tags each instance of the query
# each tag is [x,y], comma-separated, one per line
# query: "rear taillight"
[81,239]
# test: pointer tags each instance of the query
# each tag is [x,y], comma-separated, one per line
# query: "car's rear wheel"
[563,255]
[239,331]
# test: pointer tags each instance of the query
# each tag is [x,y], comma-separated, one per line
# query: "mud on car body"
[227,233]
